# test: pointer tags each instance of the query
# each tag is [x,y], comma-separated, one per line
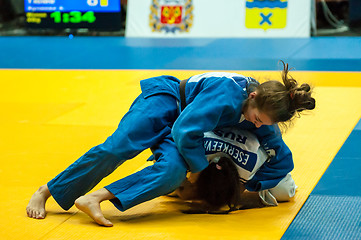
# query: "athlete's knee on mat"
[285,190]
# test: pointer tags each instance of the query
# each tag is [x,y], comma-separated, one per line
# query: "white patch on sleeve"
[197,78]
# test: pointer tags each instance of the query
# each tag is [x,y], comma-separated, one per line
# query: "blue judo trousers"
[141,128]
[154,121]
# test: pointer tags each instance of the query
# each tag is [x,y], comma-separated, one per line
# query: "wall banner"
[210,18]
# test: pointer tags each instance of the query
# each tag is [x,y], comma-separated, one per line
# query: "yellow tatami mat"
[51,117]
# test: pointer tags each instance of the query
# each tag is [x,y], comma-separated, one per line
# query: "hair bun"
[305,87]
[302,100]
[311,104]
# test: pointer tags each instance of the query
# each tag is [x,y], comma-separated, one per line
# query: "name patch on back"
[244,159]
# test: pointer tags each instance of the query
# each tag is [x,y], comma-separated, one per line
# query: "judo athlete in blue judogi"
[175,137]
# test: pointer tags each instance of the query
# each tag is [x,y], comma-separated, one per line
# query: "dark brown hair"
[219,184]
[283,102]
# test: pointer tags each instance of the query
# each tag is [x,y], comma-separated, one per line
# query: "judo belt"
[182,91]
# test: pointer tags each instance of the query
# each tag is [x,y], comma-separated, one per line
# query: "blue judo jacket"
[215,100]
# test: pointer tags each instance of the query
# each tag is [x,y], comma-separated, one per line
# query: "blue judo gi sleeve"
[277,167]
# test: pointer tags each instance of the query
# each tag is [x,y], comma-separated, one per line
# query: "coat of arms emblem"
[171,15]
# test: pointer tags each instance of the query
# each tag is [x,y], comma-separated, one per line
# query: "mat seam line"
[46,234]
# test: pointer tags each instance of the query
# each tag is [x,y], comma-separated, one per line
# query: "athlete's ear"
[252,95]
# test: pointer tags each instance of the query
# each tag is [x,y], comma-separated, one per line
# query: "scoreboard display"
[61,14]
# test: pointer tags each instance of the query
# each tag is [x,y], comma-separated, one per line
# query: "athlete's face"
[254,115]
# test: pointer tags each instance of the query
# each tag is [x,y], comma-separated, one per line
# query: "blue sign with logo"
[72,5]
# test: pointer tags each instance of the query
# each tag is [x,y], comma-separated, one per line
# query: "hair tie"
[292,94]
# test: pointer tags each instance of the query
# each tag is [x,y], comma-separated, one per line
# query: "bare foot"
[90,204]
[36,206]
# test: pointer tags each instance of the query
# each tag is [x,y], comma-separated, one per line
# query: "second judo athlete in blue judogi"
[155,121]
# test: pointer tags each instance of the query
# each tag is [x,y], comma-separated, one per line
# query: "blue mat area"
[332,210]
[319,54]
[327,217]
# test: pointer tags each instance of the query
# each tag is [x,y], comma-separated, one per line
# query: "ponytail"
[283,102]
[300,96]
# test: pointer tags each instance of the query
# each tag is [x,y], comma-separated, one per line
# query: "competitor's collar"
[242,118]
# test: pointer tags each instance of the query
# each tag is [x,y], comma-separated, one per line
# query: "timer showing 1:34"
[73,17]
